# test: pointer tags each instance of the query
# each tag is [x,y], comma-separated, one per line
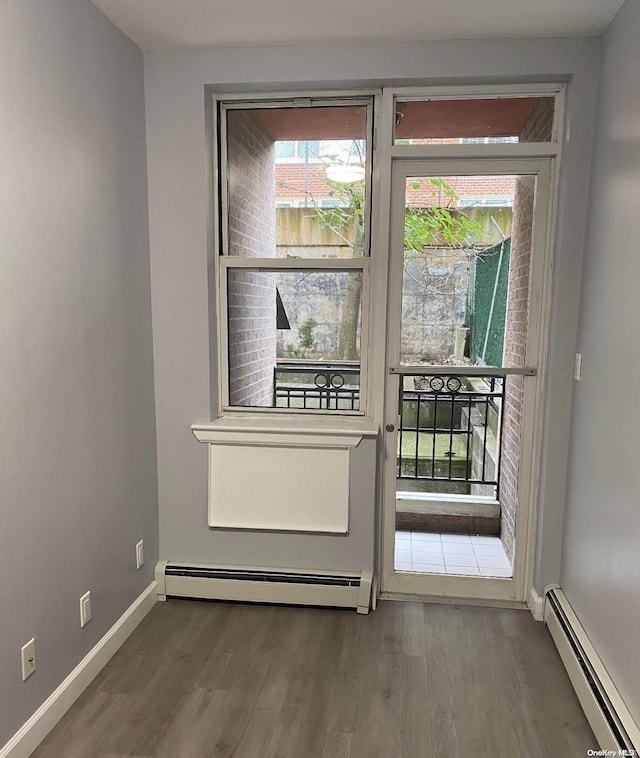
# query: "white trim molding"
[535,604]
[289,432]
[35,729]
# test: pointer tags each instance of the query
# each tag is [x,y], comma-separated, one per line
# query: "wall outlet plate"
[28,656]
[140,554]
[85,609]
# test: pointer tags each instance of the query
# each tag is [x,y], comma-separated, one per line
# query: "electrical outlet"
[28,656]
[140,554]
[577,367]
[85,609]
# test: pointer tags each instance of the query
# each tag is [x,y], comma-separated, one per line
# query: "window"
[486,140]
[479,120]
[297,149]
[294,253]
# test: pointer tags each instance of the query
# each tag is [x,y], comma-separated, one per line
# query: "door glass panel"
[466,269]
[466,258]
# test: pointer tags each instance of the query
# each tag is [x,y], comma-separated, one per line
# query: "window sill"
[285,432]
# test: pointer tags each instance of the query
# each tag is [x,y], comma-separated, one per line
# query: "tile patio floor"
[460,554]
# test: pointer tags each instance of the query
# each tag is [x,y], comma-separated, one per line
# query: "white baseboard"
[535,604]
[33,731]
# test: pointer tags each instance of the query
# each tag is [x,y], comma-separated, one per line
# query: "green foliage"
[305,340]
[305,334]
[438,225]
[350,211]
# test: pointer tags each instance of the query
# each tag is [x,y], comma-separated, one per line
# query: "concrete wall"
[77,449]
[602,529]
[181,212]
[319,295]
[252,233]
[435,287]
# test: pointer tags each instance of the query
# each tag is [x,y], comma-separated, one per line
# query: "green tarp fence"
[487,306]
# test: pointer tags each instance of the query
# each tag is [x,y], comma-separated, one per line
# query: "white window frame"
[386,412]
[223,262]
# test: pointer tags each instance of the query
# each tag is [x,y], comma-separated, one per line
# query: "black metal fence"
[449,428]
[449,425]
[317,385]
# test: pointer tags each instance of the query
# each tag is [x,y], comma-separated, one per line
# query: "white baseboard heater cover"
[608,716]
[264,585]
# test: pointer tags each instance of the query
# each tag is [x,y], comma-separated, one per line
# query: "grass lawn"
[425,445]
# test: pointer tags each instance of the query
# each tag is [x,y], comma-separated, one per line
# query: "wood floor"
[201,679]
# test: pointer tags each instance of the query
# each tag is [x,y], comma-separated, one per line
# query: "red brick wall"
[537,129]
[252,233]
[539,126]
[298,181]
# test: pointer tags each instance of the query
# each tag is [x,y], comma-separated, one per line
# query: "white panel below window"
[279,488]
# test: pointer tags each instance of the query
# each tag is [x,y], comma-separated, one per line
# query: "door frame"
[441,586]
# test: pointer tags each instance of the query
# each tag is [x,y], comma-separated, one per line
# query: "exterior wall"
[483,455]
[537,129]
[317,295]
[252,233]
[514,354]
[434,302]
[78,449]
[299,182]
[252,337]
[539,125]
[602,528]
[300,235]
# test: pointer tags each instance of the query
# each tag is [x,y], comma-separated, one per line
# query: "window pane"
[454,122]
[297,182]
[467,244]
[315,362]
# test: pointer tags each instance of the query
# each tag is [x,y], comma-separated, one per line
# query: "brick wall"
[537,129]
[297,182]
[252,233]
[539,125]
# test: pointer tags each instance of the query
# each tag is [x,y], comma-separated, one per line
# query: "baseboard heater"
[264,585]
[608,716]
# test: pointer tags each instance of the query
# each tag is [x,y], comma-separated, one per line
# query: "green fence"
[487,307]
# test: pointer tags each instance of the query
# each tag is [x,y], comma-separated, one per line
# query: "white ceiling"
[174,24]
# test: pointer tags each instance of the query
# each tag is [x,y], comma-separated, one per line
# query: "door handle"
[390,428]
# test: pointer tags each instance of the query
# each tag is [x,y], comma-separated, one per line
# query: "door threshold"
[438,599]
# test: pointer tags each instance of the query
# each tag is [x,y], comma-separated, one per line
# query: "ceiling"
[175,24]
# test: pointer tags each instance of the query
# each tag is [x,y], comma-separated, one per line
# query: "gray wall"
[600,571]
[181,244]
[77,449]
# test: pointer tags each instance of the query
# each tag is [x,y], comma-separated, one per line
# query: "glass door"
[465,313]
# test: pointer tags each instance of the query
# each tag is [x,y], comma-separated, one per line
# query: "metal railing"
[449,427]
[317,385]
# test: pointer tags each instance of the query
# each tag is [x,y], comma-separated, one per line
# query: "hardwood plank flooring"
[411,680]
